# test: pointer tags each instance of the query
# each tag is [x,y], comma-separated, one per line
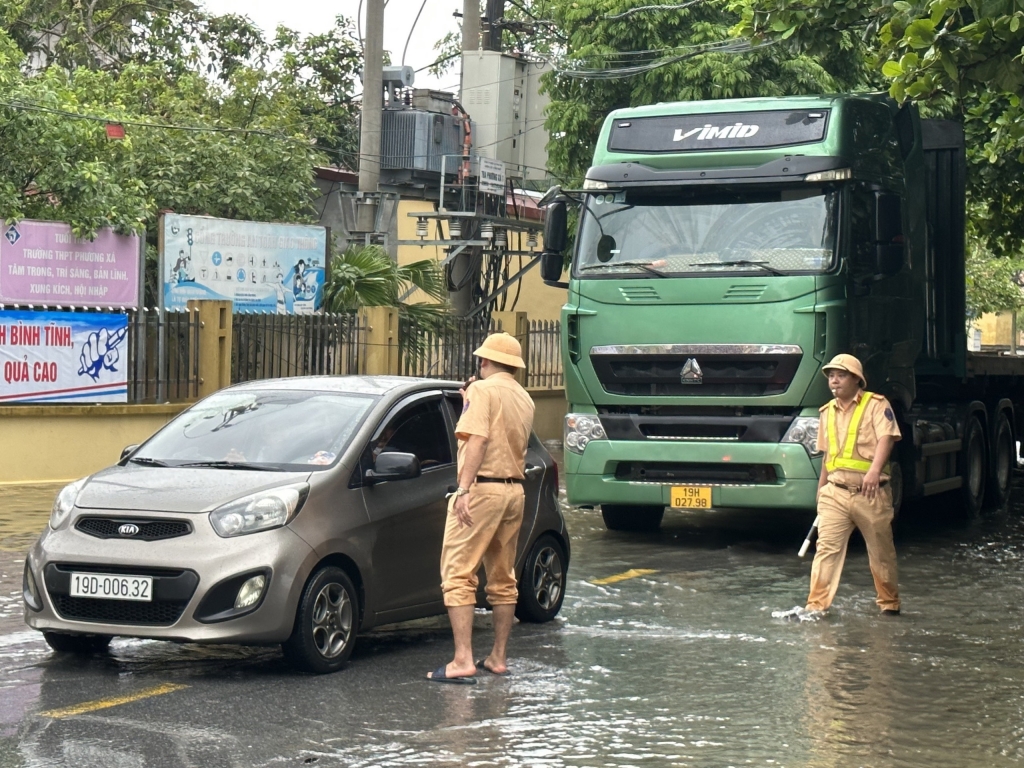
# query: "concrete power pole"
[370,121]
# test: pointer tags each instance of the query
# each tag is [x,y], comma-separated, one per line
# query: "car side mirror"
[393,466]
[889,245]
[127,451]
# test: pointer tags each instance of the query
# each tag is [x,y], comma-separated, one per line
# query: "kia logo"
[128,529]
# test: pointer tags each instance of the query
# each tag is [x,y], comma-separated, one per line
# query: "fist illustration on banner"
[100,351]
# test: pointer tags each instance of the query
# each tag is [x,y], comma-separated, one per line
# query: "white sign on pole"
[491,174]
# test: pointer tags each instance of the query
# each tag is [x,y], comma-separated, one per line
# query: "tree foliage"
[956,58]
[218,119]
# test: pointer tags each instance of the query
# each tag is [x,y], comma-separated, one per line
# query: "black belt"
[856,488]
[482,479]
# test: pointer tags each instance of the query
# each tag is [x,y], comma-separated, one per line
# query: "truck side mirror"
[556,230]
[556,236]
[889,245]
[550,267]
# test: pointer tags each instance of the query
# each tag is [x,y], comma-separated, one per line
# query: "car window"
[419,429]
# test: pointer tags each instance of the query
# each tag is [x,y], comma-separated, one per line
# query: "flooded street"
[665,654]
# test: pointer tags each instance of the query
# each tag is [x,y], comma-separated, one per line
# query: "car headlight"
[260,511]
[580,429]
[64,503]
[804,430]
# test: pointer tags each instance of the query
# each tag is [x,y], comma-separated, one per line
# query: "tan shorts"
[497,512]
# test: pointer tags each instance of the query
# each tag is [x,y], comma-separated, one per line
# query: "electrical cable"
[644,8]
[412,29]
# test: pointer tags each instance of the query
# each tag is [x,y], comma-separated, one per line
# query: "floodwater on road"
[678,662]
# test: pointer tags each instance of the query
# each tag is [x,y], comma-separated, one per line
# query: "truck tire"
[972,466]
[623,517]
[896,482]
[1002,460]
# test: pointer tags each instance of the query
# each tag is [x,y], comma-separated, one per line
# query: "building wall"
[539,301]
[61,443]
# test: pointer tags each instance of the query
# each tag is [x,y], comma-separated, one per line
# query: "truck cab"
[725,250]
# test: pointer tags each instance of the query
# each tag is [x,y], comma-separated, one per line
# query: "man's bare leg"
[461,617]
[502,619]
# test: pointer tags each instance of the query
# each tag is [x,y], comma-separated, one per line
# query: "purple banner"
[41,262]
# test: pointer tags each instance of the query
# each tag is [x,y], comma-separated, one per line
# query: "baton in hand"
[810,537]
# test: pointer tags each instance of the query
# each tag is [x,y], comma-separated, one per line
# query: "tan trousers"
[840,511]
[497,512]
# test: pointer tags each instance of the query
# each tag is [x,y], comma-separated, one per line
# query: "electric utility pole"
[370,120]
[495,11]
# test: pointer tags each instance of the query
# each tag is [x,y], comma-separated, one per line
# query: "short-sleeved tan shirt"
[499,409]
[879,420]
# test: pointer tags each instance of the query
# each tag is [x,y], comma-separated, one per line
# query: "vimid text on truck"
[725,251]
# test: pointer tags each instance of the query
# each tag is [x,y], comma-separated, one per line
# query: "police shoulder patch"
[889,414]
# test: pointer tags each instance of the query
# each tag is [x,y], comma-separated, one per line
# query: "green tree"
[956,58]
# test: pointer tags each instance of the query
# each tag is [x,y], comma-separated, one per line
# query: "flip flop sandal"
[439,676]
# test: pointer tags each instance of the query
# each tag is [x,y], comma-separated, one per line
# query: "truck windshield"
[700,231]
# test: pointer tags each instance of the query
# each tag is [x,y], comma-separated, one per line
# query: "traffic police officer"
[486,511]
[857,431]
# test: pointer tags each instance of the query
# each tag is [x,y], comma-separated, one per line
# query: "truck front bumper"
[591,477]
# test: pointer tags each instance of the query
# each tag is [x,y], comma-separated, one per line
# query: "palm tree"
[365,276]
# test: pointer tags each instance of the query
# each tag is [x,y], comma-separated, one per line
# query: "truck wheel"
[1001,463]
[972,466]
[631,517]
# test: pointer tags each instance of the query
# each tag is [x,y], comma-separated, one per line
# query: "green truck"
[725,250]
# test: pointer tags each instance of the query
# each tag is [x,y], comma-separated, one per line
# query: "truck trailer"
[727,249]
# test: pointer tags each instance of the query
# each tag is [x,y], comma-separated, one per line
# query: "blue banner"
[57,357]
[261,267]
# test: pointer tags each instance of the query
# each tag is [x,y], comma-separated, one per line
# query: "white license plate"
[110,586]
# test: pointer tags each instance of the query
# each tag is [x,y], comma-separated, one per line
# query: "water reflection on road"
[682,665]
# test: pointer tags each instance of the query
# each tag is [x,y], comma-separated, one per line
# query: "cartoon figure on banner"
[183,271]
[303,287]
[100,352]
[283,295]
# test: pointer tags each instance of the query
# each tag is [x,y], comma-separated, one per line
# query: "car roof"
[361,385]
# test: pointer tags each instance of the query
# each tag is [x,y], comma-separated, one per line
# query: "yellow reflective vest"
[845,460]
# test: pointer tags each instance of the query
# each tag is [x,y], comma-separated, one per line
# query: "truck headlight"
[804,430]
[580,429]
[260,511]
[64,503]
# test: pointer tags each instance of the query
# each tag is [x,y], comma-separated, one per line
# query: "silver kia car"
[295,511]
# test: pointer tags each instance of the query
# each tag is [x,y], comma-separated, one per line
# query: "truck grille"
[728,370]
[148,530]
[698,474]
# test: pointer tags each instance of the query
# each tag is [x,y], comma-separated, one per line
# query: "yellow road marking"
[115,701]
[632,573]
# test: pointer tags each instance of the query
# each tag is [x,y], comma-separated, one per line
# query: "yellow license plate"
[691,497]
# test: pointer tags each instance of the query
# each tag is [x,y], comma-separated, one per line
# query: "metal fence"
[445,352]
[178,379]
[544,366]
[273,346]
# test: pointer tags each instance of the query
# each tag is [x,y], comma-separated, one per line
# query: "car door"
[409,515]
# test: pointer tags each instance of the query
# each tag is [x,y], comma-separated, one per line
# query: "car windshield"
[700,231]
[285,430]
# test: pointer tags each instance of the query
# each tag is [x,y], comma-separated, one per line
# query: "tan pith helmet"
[847,363]
[501,348]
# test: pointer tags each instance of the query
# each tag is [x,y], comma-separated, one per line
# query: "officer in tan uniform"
[857,431]
[486,511]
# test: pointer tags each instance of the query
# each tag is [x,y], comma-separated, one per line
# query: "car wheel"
[326,623]
[973,466]
[542,585]
[82,645]
[1001,463]
[631,518]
